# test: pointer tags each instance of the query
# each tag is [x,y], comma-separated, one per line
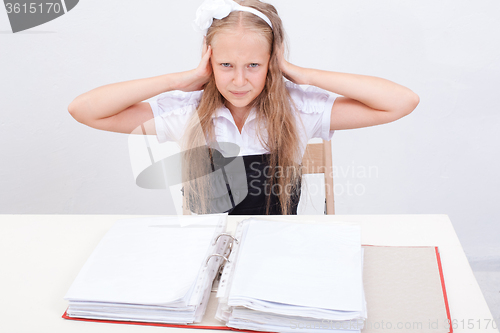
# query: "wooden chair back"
[318,159]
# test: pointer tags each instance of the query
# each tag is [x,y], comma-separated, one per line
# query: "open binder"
[253,291]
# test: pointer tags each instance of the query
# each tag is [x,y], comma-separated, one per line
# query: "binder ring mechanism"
[229,249]
[216,255]
[228,235]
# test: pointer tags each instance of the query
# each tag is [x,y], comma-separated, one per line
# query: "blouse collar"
[223,112]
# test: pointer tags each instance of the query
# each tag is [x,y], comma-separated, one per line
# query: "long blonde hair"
[275,112]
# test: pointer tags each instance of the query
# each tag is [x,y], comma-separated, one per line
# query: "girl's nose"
[239,78]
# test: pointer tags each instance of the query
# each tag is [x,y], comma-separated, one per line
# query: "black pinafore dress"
[255,201]
[256,168]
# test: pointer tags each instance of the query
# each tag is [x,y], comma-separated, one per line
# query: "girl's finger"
[208,52]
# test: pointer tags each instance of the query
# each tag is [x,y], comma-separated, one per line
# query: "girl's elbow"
[75,109]
[414,100]
[72,109]
[410,104]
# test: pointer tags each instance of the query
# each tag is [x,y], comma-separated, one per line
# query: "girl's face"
[240,60]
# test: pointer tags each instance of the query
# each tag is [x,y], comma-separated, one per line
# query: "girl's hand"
[293,73]
[196,79]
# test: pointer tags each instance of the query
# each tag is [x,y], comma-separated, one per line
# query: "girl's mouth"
[239,93]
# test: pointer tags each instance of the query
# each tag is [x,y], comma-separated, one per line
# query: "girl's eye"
[226,64]
[254,65]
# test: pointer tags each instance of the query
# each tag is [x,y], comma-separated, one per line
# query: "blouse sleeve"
[314,106]
[172,111]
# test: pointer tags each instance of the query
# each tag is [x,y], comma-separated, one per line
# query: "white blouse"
[172,111]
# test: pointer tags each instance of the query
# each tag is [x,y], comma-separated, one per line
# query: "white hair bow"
[219,9]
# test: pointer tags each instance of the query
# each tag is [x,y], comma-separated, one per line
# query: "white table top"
[40,255]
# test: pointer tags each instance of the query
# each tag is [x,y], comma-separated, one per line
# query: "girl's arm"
[366,100]
[118,107]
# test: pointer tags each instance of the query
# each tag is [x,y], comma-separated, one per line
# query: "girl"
[238,94]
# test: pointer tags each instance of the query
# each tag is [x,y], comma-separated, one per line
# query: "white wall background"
[443,158]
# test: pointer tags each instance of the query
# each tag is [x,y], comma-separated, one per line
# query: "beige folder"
[404,290]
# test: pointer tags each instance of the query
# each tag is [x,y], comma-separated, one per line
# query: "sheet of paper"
[313,265]
[145,261]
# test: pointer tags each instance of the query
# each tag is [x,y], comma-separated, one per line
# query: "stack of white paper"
[286,276]
[151,270]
